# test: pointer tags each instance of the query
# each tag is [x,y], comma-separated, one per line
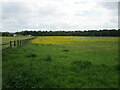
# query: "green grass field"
[84,63]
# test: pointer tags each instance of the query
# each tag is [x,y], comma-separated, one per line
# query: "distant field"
[62,62]
[61,40]
[8,39]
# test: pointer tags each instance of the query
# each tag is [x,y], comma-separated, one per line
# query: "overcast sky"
[58,15]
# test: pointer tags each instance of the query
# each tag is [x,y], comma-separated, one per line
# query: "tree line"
[105,32]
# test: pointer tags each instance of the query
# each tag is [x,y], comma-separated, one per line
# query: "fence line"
[15,43]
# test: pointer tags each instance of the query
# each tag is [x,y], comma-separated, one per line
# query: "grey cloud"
[14,14]
[112,6]
[89,13]
[47,10]
[13,9]
[109,5]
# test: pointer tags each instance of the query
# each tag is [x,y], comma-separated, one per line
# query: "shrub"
[31,55]
[79,65]
[65,50]
[48,58]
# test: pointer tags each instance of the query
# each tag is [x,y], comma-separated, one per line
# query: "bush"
[48,58]
[79,65]
[31,55]
[65,50]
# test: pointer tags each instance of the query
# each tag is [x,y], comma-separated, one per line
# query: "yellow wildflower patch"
[55,40]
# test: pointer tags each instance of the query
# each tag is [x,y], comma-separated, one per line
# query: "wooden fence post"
[20,42]
[17,42]
[14,43]
[10,43]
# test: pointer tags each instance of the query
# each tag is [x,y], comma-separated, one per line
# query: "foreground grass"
[74,65]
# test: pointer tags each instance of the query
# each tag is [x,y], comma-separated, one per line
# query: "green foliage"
[104,32]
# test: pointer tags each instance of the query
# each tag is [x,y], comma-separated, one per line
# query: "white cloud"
[59,14]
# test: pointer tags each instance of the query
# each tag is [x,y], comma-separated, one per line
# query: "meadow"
[62,62]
